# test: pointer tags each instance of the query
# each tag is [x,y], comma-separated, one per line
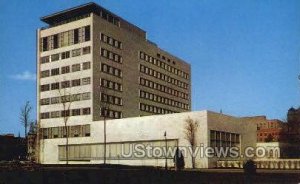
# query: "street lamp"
[166,161]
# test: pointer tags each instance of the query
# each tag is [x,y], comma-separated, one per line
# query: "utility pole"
[166,161]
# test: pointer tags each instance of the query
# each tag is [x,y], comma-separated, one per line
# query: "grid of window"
[163,77]
[65,55]
[154,109]
[162,88]
[109,113]
[110,18]
[66,38]
[110,84]
[87,152]
[111,99]
[163,65]
[65,98]
[163,100]
[220,139]
[111,41]
[66,84]
[111,70]
[64,113]
[111,56]
[60,132]
[66,69]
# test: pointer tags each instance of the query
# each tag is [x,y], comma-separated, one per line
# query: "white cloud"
[24,76]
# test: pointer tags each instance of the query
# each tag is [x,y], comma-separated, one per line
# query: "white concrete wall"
[153,128]
[246,128]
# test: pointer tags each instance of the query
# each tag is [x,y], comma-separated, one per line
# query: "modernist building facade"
[104,65]
[213,129]
[95,67]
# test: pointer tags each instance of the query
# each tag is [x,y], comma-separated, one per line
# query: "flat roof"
[83,9]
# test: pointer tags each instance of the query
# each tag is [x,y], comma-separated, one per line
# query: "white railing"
[262,164]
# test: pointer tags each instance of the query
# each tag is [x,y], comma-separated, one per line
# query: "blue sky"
[244,54]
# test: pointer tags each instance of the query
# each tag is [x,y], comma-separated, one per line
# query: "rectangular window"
[86,65]
[75,67]
[65,69]
[65,55]
[76,36]
[65,84]
[55,41]
[65,113]
[45,115]
[76,82]
[55,100]
[86,130]
[55,71]
[86,96]
[45,44]
[65,98]
[86,111]
[87,33]
[45,59]
[76,97]
[76,52]
[45,73]
[45,87]
[55,114]
[86,50]
[86,81]
[45,101]
[55,86]
[75,112]
[54,57]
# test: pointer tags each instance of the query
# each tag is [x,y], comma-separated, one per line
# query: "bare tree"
[191,127]
[33,127]
[66,100]
[25,116]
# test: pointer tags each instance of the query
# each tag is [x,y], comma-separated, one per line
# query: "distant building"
[269,130]
[12,148]
[291,133]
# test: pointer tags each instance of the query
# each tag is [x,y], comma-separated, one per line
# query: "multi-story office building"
[93,63]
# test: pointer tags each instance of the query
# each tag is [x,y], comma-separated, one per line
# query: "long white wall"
[153,128]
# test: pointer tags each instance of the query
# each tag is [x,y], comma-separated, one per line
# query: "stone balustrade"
[262,164]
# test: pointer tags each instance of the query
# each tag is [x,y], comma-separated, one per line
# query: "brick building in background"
[269,130]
